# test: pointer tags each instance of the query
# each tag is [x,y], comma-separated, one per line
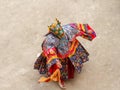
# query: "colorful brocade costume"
[61,44]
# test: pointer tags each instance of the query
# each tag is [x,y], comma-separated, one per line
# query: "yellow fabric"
[83,28]
[54,77]
[73,46]
[51,58]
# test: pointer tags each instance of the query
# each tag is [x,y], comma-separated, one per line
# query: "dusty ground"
[23,24]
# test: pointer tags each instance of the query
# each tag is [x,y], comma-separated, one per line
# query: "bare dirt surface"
[23,24]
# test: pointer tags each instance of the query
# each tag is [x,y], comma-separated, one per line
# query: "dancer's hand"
[38,54]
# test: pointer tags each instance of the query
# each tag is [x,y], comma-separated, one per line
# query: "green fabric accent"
[56,29]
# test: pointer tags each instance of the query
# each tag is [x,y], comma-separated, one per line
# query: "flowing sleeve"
[84,30]
[49,49]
